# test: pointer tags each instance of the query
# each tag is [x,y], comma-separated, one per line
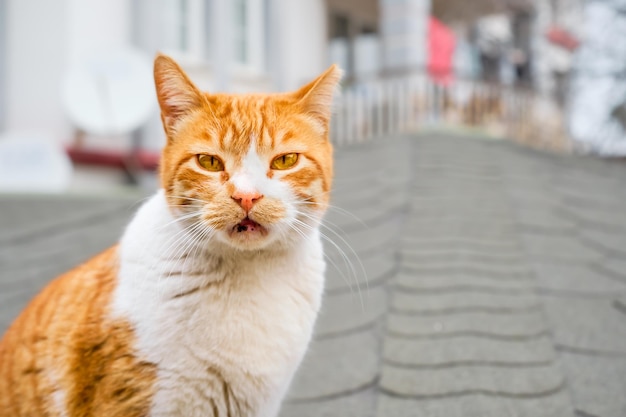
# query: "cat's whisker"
[196,240]
[187,250]
[185,239]
[174,240]
[180,238]
[323,222]
[343,241]
[173,252]
[174,237]
[180,218]
[328,258]
[185,242]
[139,202]
[344,256]
[338,209]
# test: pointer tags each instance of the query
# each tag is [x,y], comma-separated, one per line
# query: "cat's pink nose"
[246,200]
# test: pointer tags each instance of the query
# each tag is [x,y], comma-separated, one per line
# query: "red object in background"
[143,160]
[562,38]
[441,44]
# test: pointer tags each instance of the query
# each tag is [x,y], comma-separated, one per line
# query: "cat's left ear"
[176,93]
[315,99]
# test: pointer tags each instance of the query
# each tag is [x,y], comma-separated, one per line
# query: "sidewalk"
[497,285]
[496,280]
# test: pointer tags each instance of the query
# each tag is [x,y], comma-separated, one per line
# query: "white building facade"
[225,45]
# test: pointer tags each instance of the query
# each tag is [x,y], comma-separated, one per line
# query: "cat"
[207,305]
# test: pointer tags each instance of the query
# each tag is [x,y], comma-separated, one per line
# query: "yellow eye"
[285,161]
[210,163]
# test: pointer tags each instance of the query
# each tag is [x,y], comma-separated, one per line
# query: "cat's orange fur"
[66,355]
[63,342]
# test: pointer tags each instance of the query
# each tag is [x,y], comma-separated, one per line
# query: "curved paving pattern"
[465,278]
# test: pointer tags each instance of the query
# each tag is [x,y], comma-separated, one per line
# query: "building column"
[298,41]
[404,30]
[222,42]
[35,61]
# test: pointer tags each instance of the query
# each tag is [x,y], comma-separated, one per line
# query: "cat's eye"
[285,161]
[210,162]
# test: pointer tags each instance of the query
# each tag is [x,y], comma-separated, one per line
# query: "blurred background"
[476,245]
[76,75]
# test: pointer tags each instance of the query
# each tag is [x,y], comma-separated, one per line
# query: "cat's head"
[248,170]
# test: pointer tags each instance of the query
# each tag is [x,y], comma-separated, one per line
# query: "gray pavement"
[470,278]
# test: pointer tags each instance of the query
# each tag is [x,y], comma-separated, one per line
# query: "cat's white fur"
[249,323]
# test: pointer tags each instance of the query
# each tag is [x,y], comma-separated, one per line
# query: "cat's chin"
[248,235]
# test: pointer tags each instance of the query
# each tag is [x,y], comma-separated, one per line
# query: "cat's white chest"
[226,334]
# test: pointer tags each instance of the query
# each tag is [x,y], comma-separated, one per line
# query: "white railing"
[403,105]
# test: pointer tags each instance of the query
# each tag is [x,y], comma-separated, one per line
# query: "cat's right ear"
[176,93]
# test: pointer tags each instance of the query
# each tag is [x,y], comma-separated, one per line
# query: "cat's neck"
[160,243]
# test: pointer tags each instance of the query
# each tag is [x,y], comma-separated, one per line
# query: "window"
[183,28]
[248,36]
[241,25]
[183,25]
[196,32]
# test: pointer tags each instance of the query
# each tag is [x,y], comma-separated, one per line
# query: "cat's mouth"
[248,225]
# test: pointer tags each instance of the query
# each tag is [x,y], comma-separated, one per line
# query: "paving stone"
[26,216]
[477,230]
[477,405]
[460,204]
[586,196]
[575,280]
[346,313]
[460,350]
[595,218]
[532,198]
[364,241]
[606,242]
[440,208]
[584,184]
[426,255]
[74,244]
[476,269]
[462,301]
[609,203]
[507,382]
[544,222]
[355,197]
[442,171]
[359,404]
[506,327]
[460,223]
[596,384]
[444,243]
[476,192]
[459,281]
[366,215]
[557,249]
[365,272]
[336,366]
[598,325]
[612,267]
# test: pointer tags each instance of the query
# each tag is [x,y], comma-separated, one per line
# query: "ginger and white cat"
[207,305]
